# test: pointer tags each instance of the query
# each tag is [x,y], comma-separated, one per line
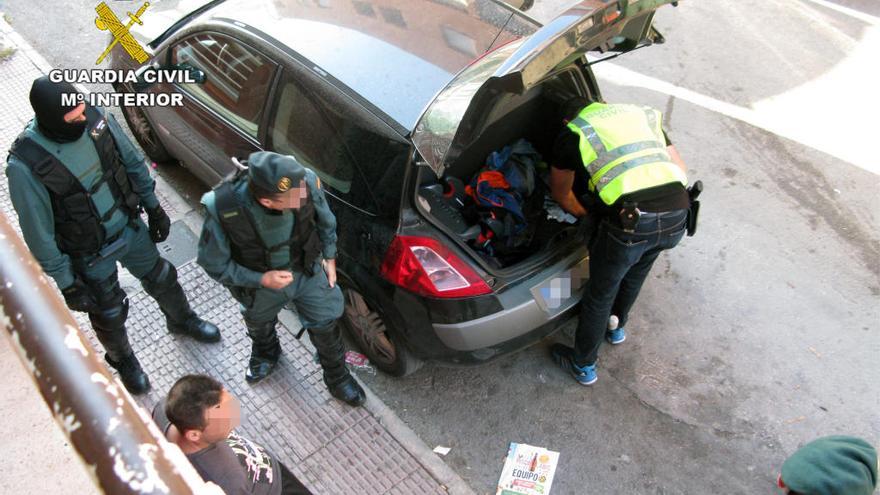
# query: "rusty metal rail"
[120,446]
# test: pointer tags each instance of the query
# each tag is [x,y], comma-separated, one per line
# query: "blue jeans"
[619,264]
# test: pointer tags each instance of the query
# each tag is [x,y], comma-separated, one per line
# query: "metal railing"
[115,438]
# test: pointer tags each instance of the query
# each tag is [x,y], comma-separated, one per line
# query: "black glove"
[78,297]
[160,224]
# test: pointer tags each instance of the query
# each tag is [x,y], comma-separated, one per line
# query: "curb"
[441,471]
[436,467]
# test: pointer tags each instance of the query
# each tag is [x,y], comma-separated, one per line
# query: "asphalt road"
[759,334]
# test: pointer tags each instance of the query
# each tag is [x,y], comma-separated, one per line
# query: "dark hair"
[571,107]
[188,399]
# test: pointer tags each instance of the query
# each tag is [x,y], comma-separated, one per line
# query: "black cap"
[273,172]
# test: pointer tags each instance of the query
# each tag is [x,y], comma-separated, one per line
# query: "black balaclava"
[46,102]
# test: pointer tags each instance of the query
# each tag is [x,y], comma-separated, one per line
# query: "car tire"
[370,331]
[144,133]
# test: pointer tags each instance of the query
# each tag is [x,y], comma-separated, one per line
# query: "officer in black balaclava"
[78,186]
[47,102]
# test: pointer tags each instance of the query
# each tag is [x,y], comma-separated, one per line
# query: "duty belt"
[113,245]
[630,216]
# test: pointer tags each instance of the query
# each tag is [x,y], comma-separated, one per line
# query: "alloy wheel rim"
[369,328]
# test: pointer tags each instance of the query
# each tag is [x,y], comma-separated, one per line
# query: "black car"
[390,102]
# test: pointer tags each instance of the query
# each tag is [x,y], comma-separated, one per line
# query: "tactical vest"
[623,150]
[79,230]
[247,246]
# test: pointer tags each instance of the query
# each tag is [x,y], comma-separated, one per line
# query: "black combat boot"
[161,283]
[331,354]
[109,325]
[265,350]
[131,373]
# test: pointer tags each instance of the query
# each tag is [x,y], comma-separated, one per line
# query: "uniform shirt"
[567,156]
[215,255]
[237,465]
[30,198]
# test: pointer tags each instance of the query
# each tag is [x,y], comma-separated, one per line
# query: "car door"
[221,117]
[359,159]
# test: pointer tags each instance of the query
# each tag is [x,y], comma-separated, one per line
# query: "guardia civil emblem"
[284,184]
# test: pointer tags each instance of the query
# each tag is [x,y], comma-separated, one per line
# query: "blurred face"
[78,114]
[220,420]
[292,199]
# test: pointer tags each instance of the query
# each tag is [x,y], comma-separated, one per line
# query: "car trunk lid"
[448,124]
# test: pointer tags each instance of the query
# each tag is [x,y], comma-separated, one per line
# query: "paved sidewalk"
[332,447]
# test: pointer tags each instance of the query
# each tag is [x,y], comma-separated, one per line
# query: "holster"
[694,210]
[629,216]
[693,214]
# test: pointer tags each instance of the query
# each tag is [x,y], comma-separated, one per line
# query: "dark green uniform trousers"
[317,304]
[139,255]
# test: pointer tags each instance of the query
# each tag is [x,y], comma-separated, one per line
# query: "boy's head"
[835,465]
[201,409]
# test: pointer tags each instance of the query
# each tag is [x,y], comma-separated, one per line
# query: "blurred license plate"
[553,293]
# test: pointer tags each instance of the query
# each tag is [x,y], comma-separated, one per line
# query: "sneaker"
[614,335]
[563,355]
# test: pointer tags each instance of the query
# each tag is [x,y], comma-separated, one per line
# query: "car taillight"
[427,267]
[610,14]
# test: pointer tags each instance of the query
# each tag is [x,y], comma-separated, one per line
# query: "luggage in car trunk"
[522,122]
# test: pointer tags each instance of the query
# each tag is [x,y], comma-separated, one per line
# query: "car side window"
[300,128]
[238,77]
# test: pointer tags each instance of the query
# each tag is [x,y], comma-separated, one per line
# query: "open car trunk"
[534,116]
[516,92]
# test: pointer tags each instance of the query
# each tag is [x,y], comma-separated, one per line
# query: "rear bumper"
[476,330]
[530,337]
[524,309]
[495,329]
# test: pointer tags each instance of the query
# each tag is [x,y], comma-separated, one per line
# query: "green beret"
[273,172]
[836,465]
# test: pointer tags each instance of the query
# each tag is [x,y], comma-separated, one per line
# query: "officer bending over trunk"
[635,183]
[263,238]
[78,185]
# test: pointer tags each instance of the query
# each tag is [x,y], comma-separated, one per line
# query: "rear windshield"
[436,129]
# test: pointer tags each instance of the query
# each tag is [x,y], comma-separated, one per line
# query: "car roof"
[397,54]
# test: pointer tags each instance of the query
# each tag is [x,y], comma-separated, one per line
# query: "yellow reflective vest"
[623,150]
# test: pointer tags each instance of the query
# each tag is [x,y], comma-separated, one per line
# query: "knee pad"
[107,292]
[263,333]
[326,338]
[323,328]
[110,318]
[162,276]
